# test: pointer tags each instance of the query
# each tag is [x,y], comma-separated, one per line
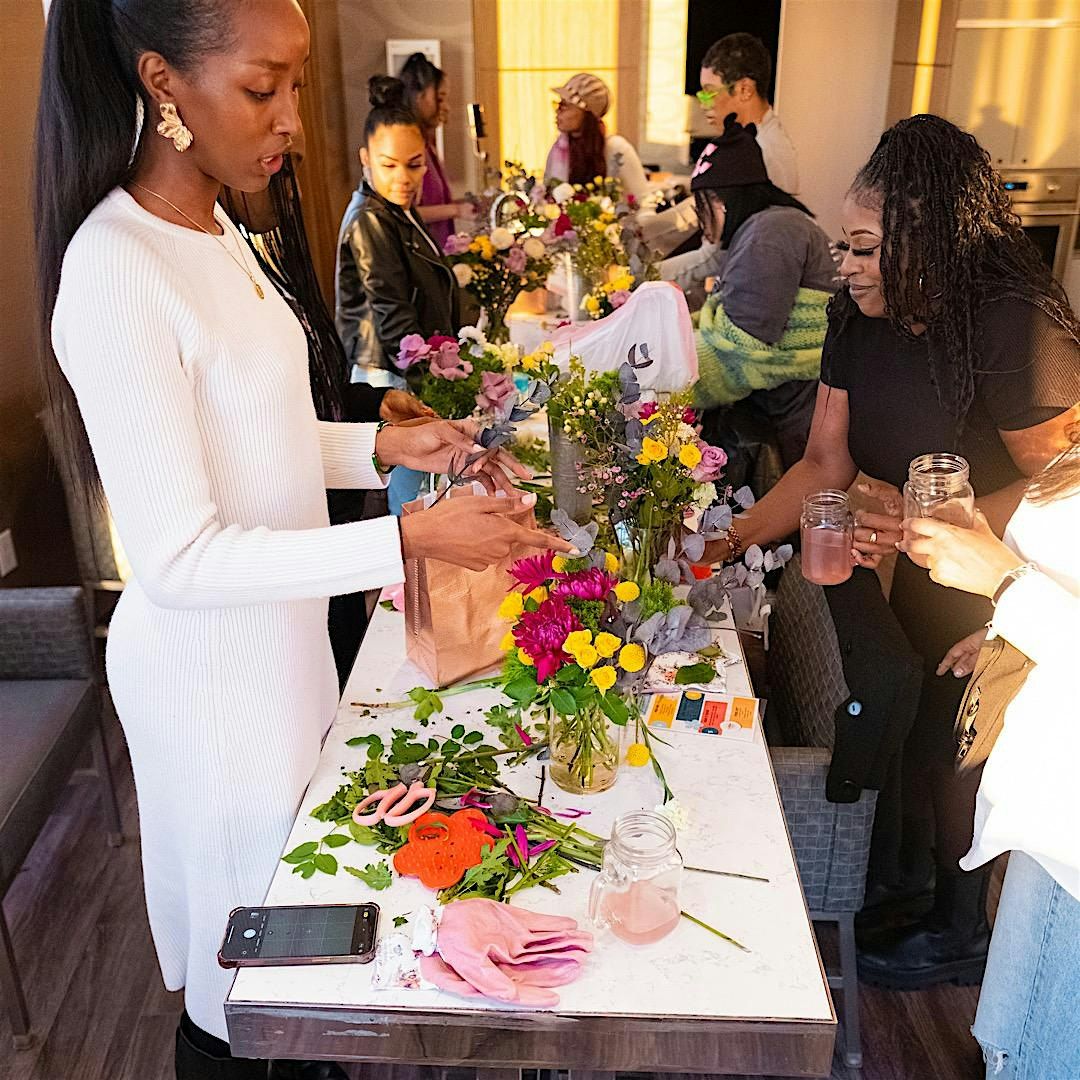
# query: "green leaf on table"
[399,920]
[376,876]
[450,749]
[427,702]
[379,777]
[364,835]
[695,673]
[326,863]
[563,702]
[306,870]
[615,709]
[473,738]
[710,652]
[457,731]
[335,840]
[302,853]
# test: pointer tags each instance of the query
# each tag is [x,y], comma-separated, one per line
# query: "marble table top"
[736,825]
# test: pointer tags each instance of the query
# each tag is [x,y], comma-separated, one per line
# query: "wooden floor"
[100,1012]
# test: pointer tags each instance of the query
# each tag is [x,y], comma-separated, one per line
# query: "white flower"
[534,248]
[463,273]
[563,193]
[686,433]
[676,813]
[606,204]
[614,235]
[704,496]
[472,333]
[501,238]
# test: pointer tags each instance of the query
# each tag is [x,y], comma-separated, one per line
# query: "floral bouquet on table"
[611,294]
[580,637]
[459,377]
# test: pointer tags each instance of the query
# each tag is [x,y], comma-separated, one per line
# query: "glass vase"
[584,750]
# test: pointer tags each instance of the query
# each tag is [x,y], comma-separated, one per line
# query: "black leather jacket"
[389,283]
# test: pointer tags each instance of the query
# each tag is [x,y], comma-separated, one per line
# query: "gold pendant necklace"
[243,265]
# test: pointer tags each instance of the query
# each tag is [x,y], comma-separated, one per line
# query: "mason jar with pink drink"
[827,532]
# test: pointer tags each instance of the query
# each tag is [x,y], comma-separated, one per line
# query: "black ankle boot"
[887,909]
[948,945]
[201,1056]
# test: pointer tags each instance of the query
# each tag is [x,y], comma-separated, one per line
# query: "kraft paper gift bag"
[452,624]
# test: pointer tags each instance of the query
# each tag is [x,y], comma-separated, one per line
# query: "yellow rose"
[530,362]
[512,606]
[586,656]
[551,211]
[637,755]
[632,658]
[607,645]
[623,281]
[577,639]
[653,450]
[626,591]
[507,642]
[690,456]
[558,564]
[611,564]
[597,180]
[598,225]
[539,594]
[525,658]
[591,304]
[603,678]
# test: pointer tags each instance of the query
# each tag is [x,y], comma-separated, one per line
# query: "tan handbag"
[999,673]
[452,625]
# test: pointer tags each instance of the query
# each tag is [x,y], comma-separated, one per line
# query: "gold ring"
[873,537]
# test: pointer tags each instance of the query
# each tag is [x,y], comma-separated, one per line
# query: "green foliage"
[427,701]
[588,611]
[376,876]
[657,596]
[704,672]
[453,399]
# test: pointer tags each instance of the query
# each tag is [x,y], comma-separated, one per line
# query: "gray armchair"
[831,840]
[50,713]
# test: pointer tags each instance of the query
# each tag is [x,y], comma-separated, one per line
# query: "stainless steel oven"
[1048,202]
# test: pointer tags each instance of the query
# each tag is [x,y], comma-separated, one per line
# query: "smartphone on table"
[304,934]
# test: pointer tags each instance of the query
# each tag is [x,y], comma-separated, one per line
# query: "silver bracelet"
[1013,575]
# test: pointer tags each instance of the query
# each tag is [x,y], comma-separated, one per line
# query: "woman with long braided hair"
[950,335]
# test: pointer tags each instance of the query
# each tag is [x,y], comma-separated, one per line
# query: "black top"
[1029,373]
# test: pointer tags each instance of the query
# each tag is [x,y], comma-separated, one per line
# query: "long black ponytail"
[86,145]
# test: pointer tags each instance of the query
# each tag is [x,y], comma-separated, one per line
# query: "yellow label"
[742,711]
[663,709]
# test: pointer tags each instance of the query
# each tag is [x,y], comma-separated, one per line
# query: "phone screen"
[303,932]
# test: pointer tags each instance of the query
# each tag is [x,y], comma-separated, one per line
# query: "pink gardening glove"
[501,951]
[523,983]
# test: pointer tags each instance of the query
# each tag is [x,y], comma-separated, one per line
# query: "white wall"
[834,70]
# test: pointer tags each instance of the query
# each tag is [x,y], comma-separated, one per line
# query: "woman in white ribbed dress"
[188,376]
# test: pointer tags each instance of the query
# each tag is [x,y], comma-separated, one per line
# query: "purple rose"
[619,297]
[456,243]
[713,459]
[411,349]
[516,260]
[495,388]
[446,362]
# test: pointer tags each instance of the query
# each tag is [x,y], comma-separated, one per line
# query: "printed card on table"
[705,714]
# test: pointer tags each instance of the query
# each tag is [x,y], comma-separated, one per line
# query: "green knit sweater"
[732,364]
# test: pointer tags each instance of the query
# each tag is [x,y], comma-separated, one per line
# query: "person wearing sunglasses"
[735,76]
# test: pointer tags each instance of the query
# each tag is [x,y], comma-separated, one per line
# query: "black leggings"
[927,808]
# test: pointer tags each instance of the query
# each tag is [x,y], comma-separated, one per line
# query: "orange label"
[742,711]
[663,709]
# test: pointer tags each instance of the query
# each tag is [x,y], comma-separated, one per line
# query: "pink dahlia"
[593,584]
[541,634]
[533,571]
[646,409]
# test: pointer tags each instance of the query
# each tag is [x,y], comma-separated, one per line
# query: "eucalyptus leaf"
[582,537]
[744,497]
[693,546]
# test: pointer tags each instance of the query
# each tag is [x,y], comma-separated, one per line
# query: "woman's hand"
[877,535]
[961,658]
[473,532]
[398,407]
[443,446]
[974,559]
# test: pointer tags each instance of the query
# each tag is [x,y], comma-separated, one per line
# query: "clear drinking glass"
[938,487]
[827,529]
[636,896]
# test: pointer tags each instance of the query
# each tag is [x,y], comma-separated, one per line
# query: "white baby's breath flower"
[463,273]
[686,433]
[563,193]
[502,238]
[676,813]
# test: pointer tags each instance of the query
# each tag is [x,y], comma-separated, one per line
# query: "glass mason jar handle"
[608,880]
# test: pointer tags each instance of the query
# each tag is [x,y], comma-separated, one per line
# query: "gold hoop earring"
[172,127]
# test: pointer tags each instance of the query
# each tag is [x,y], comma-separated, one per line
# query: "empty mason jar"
[827,530]
[938,487]
[636,896]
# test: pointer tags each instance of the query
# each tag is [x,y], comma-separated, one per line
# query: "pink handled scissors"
[397,806]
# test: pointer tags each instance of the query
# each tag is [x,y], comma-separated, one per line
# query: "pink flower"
[533,571]
[563,225]
[496,387]
[541,634]
[521,843]
[713,459]
[515,260]
[689,416]
[646,409]
[411,349]
[456,244]
[446,362]
[619,297]
[591,584]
